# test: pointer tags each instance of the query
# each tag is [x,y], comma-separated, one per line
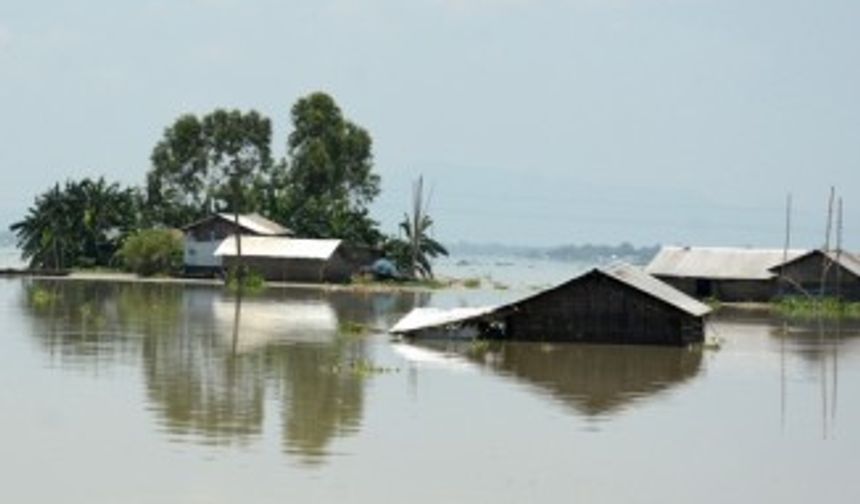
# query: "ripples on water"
[210,398]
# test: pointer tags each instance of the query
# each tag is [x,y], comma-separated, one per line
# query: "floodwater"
[143,393]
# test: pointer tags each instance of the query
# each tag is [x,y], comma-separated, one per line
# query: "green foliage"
[414,254]
[351,328]
[152,252]
[40,297]
[472,283]
[77,225]
[211,163]
[362,368]
[805,308]
[249,281]
[324,189]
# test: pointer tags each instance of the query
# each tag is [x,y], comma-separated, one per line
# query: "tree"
[328,183]
[414,254]
[79,224]
[218,162]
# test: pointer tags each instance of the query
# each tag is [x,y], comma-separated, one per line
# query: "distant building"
[802,275]
[724,273]
[286,259]
[204,236]
[617,304]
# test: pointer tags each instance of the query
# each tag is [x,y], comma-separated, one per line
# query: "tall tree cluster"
[219,162]
[223,162]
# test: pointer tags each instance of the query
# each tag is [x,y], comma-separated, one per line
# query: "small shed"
[725,273]
[616,304]
[286,259]
[803,274]
[203,237]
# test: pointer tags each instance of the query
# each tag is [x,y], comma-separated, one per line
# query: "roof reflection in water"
[595,380]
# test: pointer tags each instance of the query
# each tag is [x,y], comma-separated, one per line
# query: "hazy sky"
[536,121]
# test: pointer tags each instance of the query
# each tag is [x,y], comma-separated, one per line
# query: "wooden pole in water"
[825,265]
[787,244]
[839,249]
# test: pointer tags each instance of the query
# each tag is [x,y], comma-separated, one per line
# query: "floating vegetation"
[362,367]
[472,283]
[500,286]
[479,346]
[713,302]
[351,328]
[251,282]
[712,343]
[807,308]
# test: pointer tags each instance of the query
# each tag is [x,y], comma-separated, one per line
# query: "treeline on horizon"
[223,162]
[571,252]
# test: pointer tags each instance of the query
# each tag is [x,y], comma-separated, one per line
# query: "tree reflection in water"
[209,359]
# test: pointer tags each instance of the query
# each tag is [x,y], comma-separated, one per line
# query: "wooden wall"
[599,309]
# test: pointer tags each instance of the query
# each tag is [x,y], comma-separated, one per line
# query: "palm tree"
[80,224]
[421,248]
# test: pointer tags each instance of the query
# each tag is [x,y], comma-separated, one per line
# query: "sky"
[534,121]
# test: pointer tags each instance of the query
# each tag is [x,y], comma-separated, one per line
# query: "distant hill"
[569,253]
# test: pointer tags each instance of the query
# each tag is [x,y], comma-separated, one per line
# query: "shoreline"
[119,277]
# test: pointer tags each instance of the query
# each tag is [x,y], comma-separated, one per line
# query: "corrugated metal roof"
[426,318]
[638,279]
[256,223]
[280,247]
[718,262]
[848,260]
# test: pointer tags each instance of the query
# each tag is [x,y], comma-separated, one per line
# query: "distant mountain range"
[572,253]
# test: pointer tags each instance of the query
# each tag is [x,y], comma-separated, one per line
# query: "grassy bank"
[808,308]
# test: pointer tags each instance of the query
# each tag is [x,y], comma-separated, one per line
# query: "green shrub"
[252,281]
[152,252]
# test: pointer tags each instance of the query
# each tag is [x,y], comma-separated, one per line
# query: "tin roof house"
[204,236]
[729,274]
[821,273]
[615,304]
[286,259]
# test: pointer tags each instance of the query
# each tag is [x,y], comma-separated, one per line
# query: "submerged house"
[203,237]
[802,275]
[285,259]
[616,304]
[724,273]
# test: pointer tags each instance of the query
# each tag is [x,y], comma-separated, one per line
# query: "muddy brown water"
[167,393]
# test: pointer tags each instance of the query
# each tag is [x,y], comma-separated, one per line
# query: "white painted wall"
[201,253]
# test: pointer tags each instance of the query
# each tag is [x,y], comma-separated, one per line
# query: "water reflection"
[595,380]
[211,360]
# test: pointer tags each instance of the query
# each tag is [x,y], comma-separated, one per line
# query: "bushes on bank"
[152,252]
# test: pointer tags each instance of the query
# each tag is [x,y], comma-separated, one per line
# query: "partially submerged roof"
[426,318]
[718,262]
[638,279]
[279,247]
[631,276]
[847,260]
[252,222]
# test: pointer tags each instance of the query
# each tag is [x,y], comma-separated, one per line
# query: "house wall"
[201,242]
[201,254]
[807,273]
[725,290]
[599,309]
[274,269]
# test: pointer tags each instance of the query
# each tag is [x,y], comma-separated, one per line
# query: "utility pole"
[782,280]
[825,264]
[839,249]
